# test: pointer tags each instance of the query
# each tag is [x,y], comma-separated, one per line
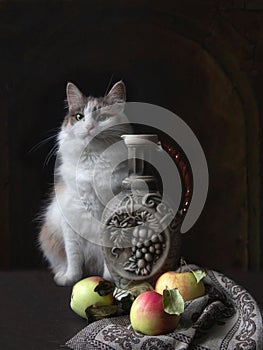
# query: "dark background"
[199,59]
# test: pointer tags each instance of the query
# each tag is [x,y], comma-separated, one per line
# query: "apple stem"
[184,263]
[197,277]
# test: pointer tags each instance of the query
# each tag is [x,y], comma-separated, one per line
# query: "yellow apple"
[185,282]
[84,296]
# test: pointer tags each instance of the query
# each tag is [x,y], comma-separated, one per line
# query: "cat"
[71,220]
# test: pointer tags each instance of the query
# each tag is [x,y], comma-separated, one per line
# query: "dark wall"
[202,60]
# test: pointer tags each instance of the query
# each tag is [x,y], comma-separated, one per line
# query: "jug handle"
[185,172]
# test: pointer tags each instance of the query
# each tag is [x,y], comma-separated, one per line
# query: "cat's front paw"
[66,279]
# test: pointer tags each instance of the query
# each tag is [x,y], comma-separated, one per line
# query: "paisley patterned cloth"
[226,318]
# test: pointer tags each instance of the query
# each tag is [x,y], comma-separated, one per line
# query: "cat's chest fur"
[90,181]
[79,176]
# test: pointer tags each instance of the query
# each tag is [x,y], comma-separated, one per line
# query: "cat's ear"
[74,96]
[117,93]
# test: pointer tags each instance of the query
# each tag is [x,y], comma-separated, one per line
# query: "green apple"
[147,315]
[84,296]
[186,282]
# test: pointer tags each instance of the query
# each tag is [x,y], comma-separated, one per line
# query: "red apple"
[147,315]
[186,283]
[83,295]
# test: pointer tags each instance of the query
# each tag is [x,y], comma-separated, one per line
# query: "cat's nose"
[89,127]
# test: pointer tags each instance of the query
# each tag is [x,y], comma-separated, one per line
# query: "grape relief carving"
[139,225]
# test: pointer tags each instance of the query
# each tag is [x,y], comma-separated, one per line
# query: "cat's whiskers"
[42,142]
[51,153]
[53,149]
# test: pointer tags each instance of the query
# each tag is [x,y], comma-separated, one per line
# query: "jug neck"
[140,149]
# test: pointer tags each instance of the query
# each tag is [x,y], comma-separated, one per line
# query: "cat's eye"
[79,116]
[103,117]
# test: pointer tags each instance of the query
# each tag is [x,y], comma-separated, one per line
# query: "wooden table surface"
[35,313]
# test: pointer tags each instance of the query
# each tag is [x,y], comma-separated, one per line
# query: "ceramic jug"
[140,234]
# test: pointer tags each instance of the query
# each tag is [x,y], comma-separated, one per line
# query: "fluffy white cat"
[71,220]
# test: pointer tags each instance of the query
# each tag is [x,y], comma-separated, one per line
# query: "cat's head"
[89,116]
